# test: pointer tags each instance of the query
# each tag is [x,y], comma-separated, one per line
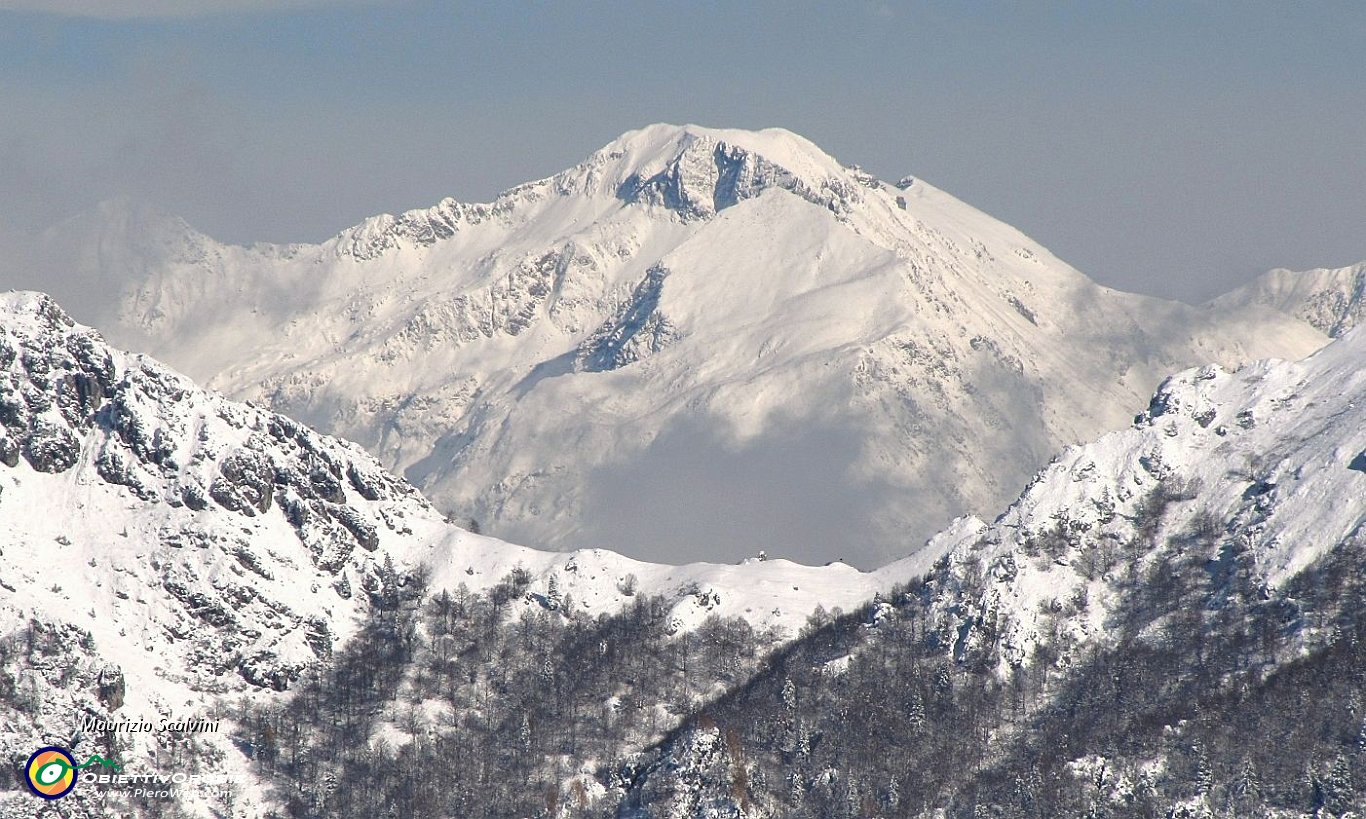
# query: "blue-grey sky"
[1170,148]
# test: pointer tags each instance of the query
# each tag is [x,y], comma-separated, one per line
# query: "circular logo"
[51,772]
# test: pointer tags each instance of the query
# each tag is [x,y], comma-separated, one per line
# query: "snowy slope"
[1329,299]
[1266,462]
[1270,458]
[712,341]
[186,550]
[1233,506]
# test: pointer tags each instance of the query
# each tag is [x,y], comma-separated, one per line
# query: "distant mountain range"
[697,343]
[1167,622]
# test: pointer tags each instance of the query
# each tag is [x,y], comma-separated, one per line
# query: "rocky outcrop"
[710,175]
[222,478]
[637,331]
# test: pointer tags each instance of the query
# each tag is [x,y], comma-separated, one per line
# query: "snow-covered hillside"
[709,341]
[1329,299]
[162,548]
[1267,461]
[164,551]
[1167,622]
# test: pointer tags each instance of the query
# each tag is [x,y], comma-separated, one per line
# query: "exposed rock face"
[637,331]
[708,175]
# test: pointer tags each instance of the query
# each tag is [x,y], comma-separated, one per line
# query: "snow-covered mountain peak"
[1221,534]
[537,361]
[130,217]
[173,545]
[1209,556]
[123,236]
[32,312]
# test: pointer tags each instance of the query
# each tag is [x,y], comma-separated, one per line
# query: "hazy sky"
[1176,150]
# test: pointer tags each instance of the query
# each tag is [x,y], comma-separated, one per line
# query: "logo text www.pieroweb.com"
[52,773]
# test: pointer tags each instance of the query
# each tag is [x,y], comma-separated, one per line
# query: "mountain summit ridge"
[692,170]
